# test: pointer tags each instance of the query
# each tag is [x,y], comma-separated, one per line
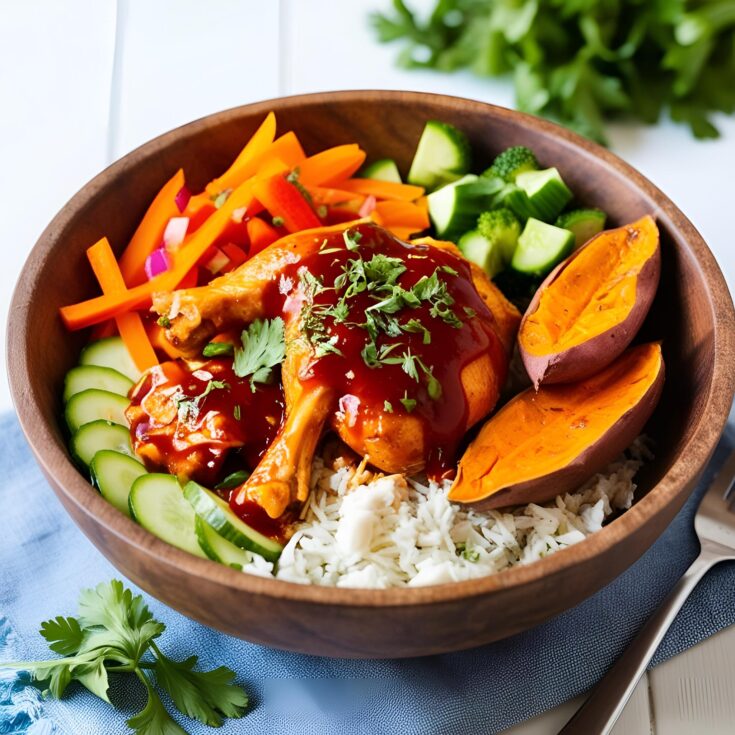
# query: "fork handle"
[603,707]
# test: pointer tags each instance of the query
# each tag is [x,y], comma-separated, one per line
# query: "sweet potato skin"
[593,459]
[591,356]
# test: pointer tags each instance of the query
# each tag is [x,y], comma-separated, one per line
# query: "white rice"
[363,530]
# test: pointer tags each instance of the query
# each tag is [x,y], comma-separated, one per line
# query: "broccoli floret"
[512,162]
[501,226]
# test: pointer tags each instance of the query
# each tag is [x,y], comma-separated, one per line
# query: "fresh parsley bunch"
[113,633]
[581,62]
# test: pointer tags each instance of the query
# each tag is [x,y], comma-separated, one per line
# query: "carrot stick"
[325,195]
[261,139]
[130,325]
[158,339]
[331,166]
[261,235]
[383,189]
[284,200]
[401,214]
[149,234]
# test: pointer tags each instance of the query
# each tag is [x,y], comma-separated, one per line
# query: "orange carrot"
[400,214]
[261,139]
[331,166]
[130,325]
[402,233]
[261,235]
[383,189]
[106,329]
[149,234]
[323,195]
[158,339]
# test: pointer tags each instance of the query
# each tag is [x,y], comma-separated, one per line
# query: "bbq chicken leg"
[399,348]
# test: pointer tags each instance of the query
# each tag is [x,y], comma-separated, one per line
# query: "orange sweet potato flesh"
[591,306]
[546,442]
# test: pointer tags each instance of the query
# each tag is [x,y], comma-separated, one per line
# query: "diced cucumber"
[515,199]
[385,169]
[584,223]
[442,155]
[454,208]
[218,548]
[84,377]
[110,352]
[93,405]
[218,514]
[540,247]
[477,248]
[99,435]
[113,474]
[547,192]
[157,503]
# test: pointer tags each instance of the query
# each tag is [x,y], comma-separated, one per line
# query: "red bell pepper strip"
[285,201]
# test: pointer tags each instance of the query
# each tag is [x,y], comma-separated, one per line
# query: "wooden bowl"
[693,315]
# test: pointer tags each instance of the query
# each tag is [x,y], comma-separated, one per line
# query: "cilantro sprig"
[263,348]
[114,633]
[583,63]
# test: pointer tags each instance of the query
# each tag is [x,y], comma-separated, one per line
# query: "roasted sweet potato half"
[546,442]
[591,306]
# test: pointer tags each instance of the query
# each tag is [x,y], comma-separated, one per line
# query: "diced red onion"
[182,198]
[367,206]
[238,214]
[175,232]
[348,407]
[156,263]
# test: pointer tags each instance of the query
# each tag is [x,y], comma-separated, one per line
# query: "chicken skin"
[399,348]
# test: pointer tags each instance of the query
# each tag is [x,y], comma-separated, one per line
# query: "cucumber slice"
[442,155]
[113,474]
[385,169]
[540,247]
[110,352]
[92,438]
[212,509]
[219,548]
[84,377]
[157,503]
[488,255]
[547,192]
[515,199]
[454,208]
[584,223]
[93,405]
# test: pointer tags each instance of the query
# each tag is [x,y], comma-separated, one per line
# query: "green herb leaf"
[263,348]
[387,406]
[153,719]
[218,349]
[408,403]
[352,239]
[234,479]
[64,635]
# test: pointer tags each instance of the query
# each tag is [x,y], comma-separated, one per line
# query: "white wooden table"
[85,81]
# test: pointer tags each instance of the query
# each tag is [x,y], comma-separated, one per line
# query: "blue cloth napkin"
[45,560]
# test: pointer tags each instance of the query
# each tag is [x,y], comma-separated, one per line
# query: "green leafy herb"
[408,403]
[278,221]
[164,322]
[188,408]
[218,349]
[582,62]
[221,198]
[263,348]
[234,479]
[387,406]
[414,325]
[114,634]
[352,239]
[470,312]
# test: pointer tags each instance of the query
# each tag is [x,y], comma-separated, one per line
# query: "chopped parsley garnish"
[352,239]
[408,403]
[188,408]
[471,313]
[387,406]
[221,198]
[164,322]
[263,348]
[236,412]
[218,349]
[467,552]
[278,221]
[414,325]
[235,479]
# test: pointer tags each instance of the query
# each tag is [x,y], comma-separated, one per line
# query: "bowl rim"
[59,469]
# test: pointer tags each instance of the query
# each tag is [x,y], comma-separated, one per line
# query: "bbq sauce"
[391,370]
[187,419]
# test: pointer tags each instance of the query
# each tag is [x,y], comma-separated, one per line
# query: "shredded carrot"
[259,142]
[383,189]
[331,166]
[285,201]
[261,235]
[400,214]
[323,195]
[130,325]
[149,234]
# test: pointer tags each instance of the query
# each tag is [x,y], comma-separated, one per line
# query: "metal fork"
[715,527]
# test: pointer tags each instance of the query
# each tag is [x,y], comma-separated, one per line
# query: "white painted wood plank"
[182,59]
[635,720]
[55,72]
[693,693]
